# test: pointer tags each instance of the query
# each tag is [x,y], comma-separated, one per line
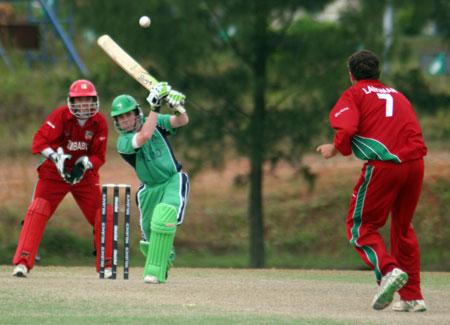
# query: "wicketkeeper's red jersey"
[377,123]
[61,129]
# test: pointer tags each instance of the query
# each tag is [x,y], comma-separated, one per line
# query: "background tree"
[260,78]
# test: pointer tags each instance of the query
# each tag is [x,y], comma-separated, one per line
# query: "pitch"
[209,296]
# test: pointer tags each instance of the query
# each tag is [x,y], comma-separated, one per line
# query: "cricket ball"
[144,21]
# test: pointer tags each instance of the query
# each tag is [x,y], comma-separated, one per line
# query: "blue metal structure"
[5,58]
[50,19]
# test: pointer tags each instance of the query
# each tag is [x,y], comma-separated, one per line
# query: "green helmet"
[123,104]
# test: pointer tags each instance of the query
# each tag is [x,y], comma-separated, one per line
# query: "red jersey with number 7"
[377,123]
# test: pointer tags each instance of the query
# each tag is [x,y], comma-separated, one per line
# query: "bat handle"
[180,109]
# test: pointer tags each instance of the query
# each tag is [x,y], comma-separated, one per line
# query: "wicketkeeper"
[164,189]
[72,142]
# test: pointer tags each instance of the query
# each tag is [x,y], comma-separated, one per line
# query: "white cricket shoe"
[390,284]
[108,273]
[151,279]
[20,271]
[410,305]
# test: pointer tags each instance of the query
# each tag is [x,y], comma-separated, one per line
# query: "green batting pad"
[143,246]
[163,228]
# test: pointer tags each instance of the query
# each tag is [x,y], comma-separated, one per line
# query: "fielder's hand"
[175,99]
[81,166]
[327,150]
[59,158]
[158,94]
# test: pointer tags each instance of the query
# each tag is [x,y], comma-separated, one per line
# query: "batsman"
[164,189]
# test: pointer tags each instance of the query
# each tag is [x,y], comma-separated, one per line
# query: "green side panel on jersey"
[163,228]
[370,149]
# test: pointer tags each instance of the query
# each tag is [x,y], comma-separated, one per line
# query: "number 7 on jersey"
[389,103]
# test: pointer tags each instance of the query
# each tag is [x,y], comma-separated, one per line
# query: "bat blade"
[126,62]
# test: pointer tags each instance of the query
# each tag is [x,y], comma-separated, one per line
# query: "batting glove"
[157,94]
[175,99]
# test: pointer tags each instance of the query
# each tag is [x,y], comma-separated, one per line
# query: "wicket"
[126,257]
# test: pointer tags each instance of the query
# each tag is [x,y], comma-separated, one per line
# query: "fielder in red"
[72,142]
[379,125]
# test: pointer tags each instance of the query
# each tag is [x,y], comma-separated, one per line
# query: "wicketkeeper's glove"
[81,166]
[157,94]
[59,158]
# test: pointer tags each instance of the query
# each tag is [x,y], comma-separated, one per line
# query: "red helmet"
[83,88]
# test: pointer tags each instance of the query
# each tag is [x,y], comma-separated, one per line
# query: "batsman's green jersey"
[158,170]
[154,162]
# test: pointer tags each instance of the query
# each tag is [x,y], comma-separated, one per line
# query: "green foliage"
[260,80]
[9,226]
[431,225]
[436,132]
[24,107]
[414,86]
[64,243]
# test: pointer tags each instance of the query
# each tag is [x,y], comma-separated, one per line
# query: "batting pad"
[163,228]
[143,246]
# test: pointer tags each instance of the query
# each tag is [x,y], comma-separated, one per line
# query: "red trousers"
[388,188]
[87,194]
[48,194]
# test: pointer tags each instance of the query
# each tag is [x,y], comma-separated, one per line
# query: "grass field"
[74,295]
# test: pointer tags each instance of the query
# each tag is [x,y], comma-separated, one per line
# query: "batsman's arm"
[179,120]
[146,131]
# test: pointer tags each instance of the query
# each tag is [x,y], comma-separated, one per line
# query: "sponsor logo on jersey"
[88,135]
[77,145]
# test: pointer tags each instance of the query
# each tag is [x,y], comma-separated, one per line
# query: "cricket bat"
[128,64]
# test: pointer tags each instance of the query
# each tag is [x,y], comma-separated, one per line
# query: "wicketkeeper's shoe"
[151,279]
[410,305]
[390,284]
[108,273]
[20,271]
